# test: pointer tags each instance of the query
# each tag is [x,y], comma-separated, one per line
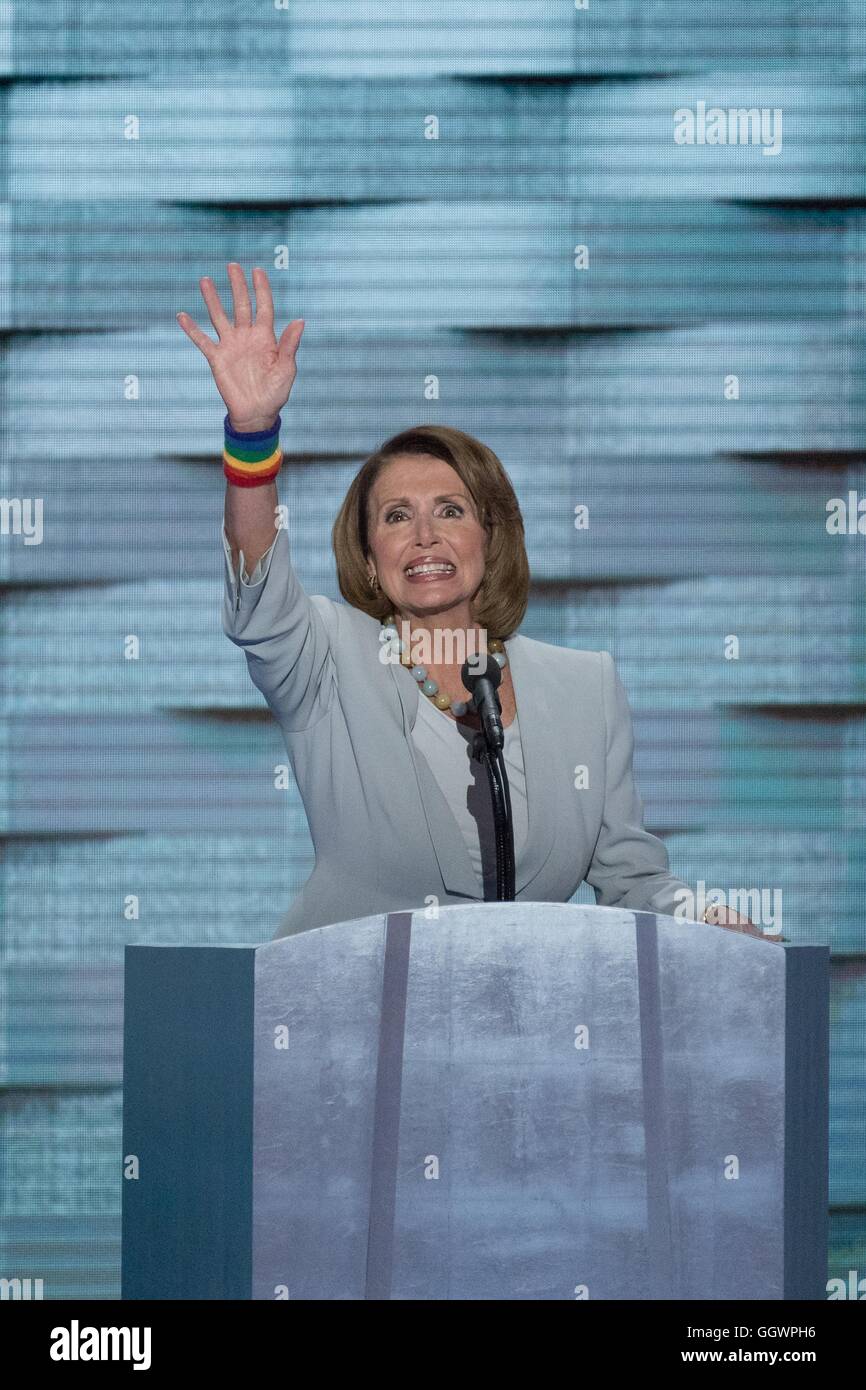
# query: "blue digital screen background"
[486,220]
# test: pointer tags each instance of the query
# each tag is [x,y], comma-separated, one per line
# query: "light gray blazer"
[385,838]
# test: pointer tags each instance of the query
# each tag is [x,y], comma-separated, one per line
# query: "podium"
[490,1101]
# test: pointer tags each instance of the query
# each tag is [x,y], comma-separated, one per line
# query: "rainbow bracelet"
[252,459]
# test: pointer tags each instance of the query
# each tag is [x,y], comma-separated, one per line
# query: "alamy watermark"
[446,646]
[763,906]
[851,1288]
[77,1343]
[22,516]
[732,125]
[23,1289]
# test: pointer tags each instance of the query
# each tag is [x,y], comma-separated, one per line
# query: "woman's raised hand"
[253,372]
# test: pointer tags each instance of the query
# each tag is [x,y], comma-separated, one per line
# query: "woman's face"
[421,513]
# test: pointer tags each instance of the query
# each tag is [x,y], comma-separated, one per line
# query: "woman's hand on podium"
[718,916]
[253,372]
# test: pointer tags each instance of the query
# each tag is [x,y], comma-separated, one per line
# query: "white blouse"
[447,746]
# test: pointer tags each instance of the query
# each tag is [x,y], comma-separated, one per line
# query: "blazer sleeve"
[629,866]
[282,632]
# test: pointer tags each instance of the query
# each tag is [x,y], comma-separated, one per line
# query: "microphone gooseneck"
[482,677]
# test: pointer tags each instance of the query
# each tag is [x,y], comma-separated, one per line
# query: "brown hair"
[500,603]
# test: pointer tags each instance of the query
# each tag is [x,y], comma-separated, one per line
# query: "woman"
[429,537]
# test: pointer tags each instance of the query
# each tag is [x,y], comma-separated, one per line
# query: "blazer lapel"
[542,760]
[541,763]
[455,866]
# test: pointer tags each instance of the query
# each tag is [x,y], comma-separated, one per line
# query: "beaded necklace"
[426,684]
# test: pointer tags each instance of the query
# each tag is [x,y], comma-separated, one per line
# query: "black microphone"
[481,677]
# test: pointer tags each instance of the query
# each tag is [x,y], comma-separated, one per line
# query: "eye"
[398,511]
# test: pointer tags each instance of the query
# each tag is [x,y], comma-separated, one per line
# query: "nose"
[425,531]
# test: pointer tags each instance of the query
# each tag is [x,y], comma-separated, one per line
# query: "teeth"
[430,569]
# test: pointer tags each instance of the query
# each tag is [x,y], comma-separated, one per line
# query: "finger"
[201,340]
[289,339]
[218,316]
[264,298]
[240,296]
